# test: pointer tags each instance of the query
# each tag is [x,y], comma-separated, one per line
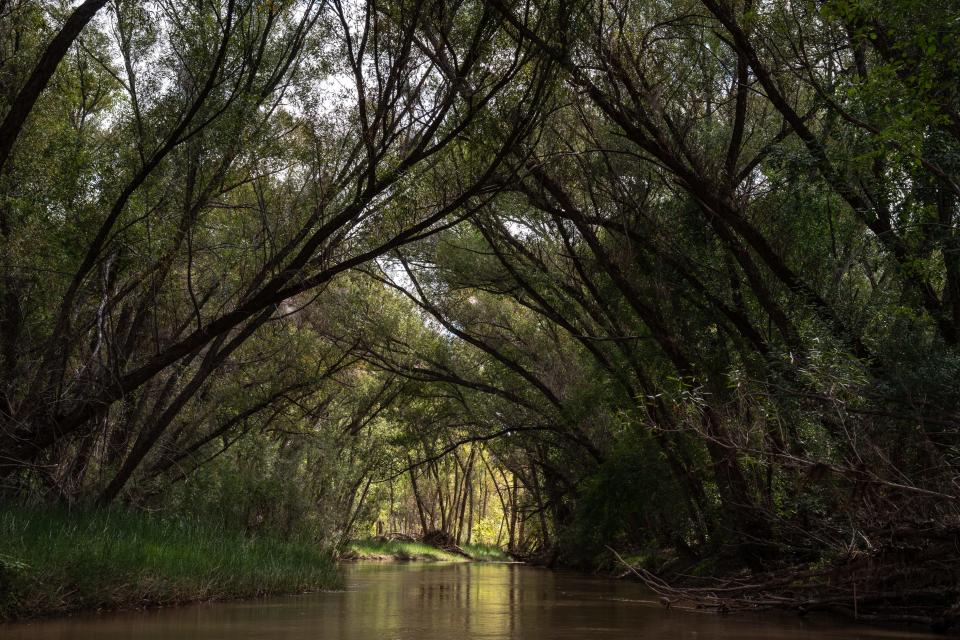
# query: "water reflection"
[449,602]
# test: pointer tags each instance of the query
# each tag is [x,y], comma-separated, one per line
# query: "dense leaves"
[676,277]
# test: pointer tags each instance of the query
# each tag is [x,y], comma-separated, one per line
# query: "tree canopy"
[675,275]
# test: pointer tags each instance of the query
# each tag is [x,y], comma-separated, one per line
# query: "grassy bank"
[372,549]
[379,549]
[55,562]
[486,553]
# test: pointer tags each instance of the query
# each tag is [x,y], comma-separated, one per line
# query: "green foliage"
[377,549]
[681,277]
[485,553]
[630,502]
[58,561]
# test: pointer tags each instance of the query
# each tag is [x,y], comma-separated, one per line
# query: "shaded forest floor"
[59,562]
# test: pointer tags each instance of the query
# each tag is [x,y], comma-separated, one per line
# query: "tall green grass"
[373,549]
[54,561]
[379,549]
[486,553]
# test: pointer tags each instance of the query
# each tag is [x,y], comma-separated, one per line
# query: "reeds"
[58,561]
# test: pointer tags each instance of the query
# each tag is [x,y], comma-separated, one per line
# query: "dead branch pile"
[444,541]
[910,575]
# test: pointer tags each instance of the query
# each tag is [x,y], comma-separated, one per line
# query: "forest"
[664,287]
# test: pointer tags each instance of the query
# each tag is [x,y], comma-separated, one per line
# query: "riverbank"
[880,587]
[60,562]
[410,550]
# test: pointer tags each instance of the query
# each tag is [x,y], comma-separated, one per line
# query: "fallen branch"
[865,588]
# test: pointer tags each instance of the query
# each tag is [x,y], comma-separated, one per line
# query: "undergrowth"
[55,562]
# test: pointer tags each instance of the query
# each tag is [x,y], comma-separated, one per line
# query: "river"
[423,601]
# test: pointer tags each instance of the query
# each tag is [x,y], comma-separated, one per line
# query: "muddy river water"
[423,601]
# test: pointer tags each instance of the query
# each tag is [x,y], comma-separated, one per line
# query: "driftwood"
[445,542]
[914,578]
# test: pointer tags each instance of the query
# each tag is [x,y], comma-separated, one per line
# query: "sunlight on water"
[422,601]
